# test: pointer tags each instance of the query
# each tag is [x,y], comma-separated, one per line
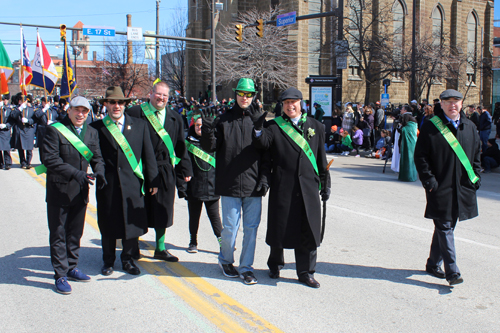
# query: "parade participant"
[46,115]
[167,137]
[5,128]
[239,179]
[69,147]
[447,157]
[201,189]
[299,176]
[407,141]
[130,171]
[23,133]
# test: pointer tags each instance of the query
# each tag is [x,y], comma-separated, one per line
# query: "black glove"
[207,117]
[258,117]
[101,181]
[431,184]
[83,178]
[325,194]
[477,185]
[262,188]
[181,194]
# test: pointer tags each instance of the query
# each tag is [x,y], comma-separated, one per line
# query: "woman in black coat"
[201,189]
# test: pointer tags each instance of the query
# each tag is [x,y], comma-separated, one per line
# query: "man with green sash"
[299,178]
[68,148]
[131,172]
[447,157]
[167,136]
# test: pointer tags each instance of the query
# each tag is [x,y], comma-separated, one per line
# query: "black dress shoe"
[165,255]
[455,279]
[130,267]
[274,274]
[310,281]
[436,271]
[7,167]
[28,166]
[107,270]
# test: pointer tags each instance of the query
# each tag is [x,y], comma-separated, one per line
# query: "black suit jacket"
[63,162]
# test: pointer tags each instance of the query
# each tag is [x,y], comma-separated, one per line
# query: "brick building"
[465,25]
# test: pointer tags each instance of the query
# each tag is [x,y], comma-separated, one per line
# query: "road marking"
[411,226]
[193,289]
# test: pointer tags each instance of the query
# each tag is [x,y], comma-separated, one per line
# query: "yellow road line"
[190,287]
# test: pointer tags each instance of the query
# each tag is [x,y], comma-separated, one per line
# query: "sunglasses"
[244,94]
[116,102]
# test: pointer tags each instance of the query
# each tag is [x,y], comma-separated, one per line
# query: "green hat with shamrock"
[245,84]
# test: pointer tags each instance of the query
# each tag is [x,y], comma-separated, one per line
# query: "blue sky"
[90,12]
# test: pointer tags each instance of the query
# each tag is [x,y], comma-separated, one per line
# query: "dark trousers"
[65,231]
[443,247]
[305,254]
[130,246]
[5,157]
[212,208]
[25,160]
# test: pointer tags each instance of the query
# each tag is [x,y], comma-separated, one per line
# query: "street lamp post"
[77,50]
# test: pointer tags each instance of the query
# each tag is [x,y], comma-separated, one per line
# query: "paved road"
[370,267]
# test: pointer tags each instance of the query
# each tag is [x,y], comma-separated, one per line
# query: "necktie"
[78,130]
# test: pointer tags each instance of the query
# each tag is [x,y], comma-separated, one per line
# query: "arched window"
[398,26]
[355,24]
[437,27]
[471,48]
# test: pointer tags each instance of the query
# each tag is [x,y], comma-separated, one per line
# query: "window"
[398,40]
[471,49]
[437,27]
[355,24]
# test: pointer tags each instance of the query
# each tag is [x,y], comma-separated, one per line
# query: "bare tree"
[265,60]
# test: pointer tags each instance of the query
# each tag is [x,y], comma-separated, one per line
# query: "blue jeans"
[484,136]
[489,163]
[231,216]
[329,148]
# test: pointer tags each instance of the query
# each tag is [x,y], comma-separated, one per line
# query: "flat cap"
[450,93]
[80,101]
[291,93]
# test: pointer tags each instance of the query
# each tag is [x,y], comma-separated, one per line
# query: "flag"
[68,82]
[26,72]
[177,92]
[44,76]
[6,70]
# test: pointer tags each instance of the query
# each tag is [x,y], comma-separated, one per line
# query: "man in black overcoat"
[121,209]
[450,190]
[294,213]
[161,206]
[68,190]
[6,122]
[46,115]
[23,133]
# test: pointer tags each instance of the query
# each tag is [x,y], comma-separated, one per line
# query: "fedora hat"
[114,93]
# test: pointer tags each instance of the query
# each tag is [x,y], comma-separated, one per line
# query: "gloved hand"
[325,194]
[23,106]
[207,117]
[431,184]
[2,126]
[181,194]
[262,188]
[258,117]
[24,120]
[47,106]
[49,122]
[477,185]
[83,178]
[101,180]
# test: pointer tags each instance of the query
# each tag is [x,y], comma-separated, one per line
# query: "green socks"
[160,239]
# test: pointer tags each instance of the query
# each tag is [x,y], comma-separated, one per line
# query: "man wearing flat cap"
[447,157]
[68,148]
[130,171]
[299,178]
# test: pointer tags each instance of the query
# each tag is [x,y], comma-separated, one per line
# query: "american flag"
[26,72]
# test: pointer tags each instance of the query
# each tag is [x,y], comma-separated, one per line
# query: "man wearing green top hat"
[239,178]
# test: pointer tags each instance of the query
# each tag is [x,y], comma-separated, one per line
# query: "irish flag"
[6,70]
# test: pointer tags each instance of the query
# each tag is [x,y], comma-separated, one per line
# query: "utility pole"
[340,36]
[413,83]
[157,40]
[212,53]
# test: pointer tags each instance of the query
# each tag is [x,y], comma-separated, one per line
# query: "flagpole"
[43,64]
[21,71]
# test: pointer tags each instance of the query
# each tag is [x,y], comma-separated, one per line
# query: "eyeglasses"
[244,94]
[161,95]
[116,102]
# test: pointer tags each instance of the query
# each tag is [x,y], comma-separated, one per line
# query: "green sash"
[457,148]
[200,153]
[298,139]
[125,146]
[149,111]
[74,140]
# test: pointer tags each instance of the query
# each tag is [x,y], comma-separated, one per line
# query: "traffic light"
[260,28]
[63,32]
[239,32]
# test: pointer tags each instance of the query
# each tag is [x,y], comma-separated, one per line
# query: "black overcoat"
[294,187]
[23,135]
[42,122]
[63,161]
[434,158]
[5,133]
[161,206]
[121,209]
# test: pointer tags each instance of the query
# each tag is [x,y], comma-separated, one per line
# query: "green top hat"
[245,84]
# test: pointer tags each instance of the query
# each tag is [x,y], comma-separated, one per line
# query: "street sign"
[286,19]
[321,80]
[384,100]
[98,31]
[134,34]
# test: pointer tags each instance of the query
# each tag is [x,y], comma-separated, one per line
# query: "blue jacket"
[484,121]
